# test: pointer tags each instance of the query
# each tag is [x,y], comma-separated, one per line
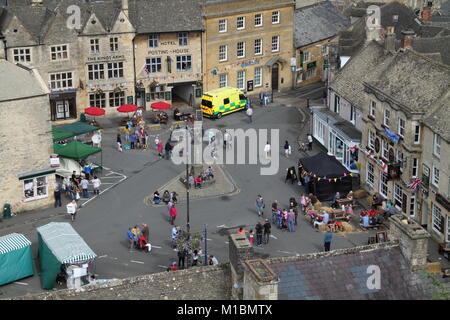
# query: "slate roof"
[17,83]
[154,16]
[413,80]
[345,276]
[318,22]
[407,20]
[439,120]
[348,82]
[434,45]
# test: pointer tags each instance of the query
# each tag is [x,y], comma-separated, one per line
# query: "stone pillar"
[240,250]
[413,239]
[260,282]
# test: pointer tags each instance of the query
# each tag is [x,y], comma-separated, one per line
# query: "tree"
[188,242]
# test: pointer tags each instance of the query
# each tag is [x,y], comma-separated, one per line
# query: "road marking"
[22,283]
[208,239]
[137,261]
[103,256]
[101,192]
[156,247]
[272,236]
[221,226]
[165,267]
[226,242]
[286,252]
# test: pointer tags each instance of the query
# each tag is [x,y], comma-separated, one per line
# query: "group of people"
[138,238]
[198,181]
[286,219]
[137,137]
[262,231]
[170,199]
[77,187]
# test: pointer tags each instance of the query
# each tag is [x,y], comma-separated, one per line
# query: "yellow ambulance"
[218,102]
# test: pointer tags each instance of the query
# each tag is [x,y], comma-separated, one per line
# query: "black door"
[275,76]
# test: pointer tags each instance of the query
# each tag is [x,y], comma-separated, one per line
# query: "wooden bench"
[205,184]
[153,127]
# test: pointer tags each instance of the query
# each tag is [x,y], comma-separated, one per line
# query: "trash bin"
[83,117]
[7,211]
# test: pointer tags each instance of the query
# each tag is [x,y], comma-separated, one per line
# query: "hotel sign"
[172,51]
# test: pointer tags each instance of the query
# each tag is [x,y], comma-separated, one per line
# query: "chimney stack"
[125,5]
[426,13]
[408,35]
[36,2]
[240,250]
[389,40]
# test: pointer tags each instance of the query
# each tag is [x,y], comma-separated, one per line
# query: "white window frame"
[240,20]
[373,109]
[153,61]
[94,45]
[415,167]
[399,157]
[239,79]
[319,130]
[353,114]
[386,117]
[276,14]
[324,50]
[398,196]
[114,44]
[153,39]
[97,71]
[417,134]
[258,16]
[116,99]
[58,51]
[436,212]
[35,187]
[184,62]
[22,55]
[260,51]
[61,80]
[400,127]
[371,139]
[448,228]
[385,150]
[97,99]
[183,39]
[277,43]
[115,70]
[437,145]
[223,53]
[223,80]
[337,104]
[435,177]
[370,174]
[306,56]
[258,76]
[412,205]
[240,48]
[383,184]
[223,25]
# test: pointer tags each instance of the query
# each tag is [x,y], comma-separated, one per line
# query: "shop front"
[63,105]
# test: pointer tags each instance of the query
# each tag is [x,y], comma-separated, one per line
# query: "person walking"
[181,258]
[274,211]
[132,140]
[57,194]
[168,149]
[96,185]
[251,237]
[260,205]
[310,142]
[267,149]
[249,115]
[259,233]
[287,149]
[327,240]
[87,171]
[126,130]
[130,237]
[84,184]
[267,226]
[291,220]
[72,209]
[213,260]
[293,205]
[119,142]
[173,214]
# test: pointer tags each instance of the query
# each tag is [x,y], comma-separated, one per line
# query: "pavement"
[103,221]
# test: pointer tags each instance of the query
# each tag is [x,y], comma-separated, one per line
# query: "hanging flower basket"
[154,84]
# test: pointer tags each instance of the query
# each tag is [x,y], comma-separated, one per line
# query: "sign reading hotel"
[168,51]
[106,58]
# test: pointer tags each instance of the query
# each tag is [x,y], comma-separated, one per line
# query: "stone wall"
[200,283]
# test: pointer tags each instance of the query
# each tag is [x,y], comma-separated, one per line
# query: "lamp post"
[188,227]
[206,244]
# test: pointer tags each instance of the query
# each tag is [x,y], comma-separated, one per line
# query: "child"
[251,237]
[160,149]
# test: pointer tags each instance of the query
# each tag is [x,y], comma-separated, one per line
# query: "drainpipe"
[134,71]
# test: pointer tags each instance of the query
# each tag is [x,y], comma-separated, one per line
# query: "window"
[223,80]
[115,70]
[22,55]
[95,46]
[240,53]
[426,176]
[275,17]
[240,23]
[337,103]
[275,43]
[373,108]
[258,76]
[386,117]
[385,150]
[324,50]
[398,196]
[401,127]
[383,184]
[153,65]
[182,38]
[258,20]
[306,56]
[415,167]
[448,228]
[223,53]
[223,25]
[399,157]
[258,46]
[319,130]
[97,100]
[352,114]
[96,71]
[59,52]
[435,178]
[370,178]
[310,73]
[412,206]
[153,40]
[157,93]
[226,101]
[116,99]
[114,44]
[36,188]
[437,145]
[61,80]
[417,134]
[184,63]
[371,139]
[240,79]
[438,219]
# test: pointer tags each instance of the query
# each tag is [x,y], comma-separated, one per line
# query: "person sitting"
[198,182]
[143,243]
[350,196]
[339,226]
[166,197]
[191,181]
[210,173]
[348,212]
[353,165]
[364,220]
[156,197]
[336,198]
[241,230]
[176,114]
[377,199]
[317,222]
[391,210]
[173,197]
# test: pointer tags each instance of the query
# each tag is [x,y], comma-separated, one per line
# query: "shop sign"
[106,58]
[54,160]
[250,85]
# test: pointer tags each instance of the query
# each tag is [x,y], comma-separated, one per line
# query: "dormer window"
[395,18]
[93,21]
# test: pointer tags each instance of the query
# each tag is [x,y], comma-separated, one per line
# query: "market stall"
[16,261]
[61,249]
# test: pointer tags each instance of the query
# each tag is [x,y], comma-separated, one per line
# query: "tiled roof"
[345,276]
[439,119]
[318,22]
[434,45]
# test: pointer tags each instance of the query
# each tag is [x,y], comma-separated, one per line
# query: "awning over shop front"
[71,130]
[76,150]
[276,59]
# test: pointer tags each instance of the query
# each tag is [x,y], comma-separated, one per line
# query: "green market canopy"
[72,129]
[16,261]
[76,150]
[60,244]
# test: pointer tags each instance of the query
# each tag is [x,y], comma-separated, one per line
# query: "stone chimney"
[389,40]
[125,5]
[2,48]
[407,35]
[413,240]
[240,250]
[260,282]
[426,13]
[36,2]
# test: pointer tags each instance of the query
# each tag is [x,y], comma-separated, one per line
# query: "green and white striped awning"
[65,243]
[12,242]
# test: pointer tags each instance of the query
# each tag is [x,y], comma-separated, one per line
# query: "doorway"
[275,68]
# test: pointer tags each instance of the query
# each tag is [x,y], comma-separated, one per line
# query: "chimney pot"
[426,13]
[407,35]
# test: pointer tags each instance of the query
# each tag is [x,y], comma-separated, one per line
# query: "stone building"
[27,180]
[315,32]
[168,51]
[248,44]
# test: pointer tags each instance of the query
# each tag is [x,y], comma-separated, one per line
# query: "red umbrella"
[94,111]
[127,108]
[160,105]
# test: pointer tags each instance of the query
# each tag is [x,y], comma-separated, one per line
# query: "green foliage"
[189,242]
